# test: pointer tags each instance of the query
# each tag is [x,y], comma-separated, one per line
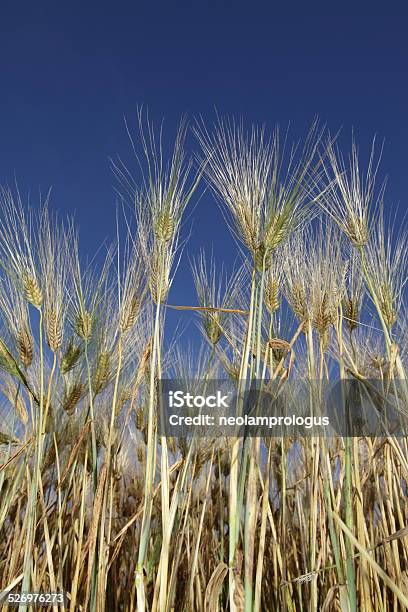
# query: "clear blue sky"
[70,72]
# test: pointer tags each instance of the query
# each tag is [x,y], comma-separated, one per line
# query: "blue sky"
[71,72]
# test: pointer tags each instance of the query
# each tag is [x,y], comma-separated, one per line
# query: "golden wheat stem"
[209,309]
[81,528]
[94,465]
[399,594]
[262,534]
[194,563]
[113,415]
[92,419]
[167,523]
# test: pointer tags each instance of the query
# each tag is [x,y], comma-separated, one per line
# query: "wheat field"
[94,501]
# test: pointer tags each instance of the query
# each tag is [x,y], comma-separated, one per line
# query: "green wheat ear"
[9,364]
[262,258]
[83,325]
[70,357]
[213,328]
[102,372]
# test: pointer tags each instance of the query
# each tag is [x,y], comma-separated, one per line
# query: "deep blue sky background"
[70,72]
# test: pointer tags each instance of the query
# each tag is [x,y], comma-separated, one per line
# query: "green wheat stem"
[234,503]
[32,505]
[150,461]
[348,466]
